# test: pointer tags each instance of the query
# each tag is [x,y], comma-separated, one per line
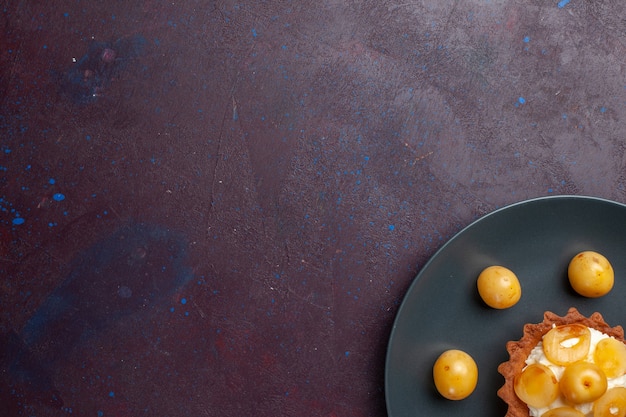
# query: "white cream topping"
[537,356]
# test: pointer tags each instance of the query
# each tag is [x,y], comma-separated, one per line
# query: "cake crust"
[533,333]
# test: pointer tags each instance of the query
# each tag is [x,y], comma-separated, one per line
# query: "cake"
[520,350]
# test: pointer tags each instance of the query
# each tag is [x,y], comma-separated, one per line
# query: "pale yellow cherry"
[537,386]
[611,404]
[610,356]
[455,374]
[563,412]
[567,344]
[499,287]
[582,382]
[591,274]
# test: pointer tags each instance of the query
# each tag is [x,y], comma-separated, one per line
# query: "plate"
[442,309]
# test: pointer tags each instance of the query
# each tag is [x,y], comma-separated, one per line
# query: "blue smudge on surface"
[93,73]
[563,3]
[139,265]
[136,268]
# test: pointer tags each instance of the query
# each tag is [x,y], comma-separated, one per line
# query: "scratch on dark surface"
[218,158]
[308,300]
[417,157]
[230,109]
[203,315]
[235,113]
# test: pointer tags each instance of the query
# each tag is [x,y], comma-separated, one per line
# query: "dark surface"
[303,160]
[536,239]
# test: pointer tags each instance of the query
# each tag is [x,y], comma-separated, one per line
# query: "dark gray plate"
[442,309]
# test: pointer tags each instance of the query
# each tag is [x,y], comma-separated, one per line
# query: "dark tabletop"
[215,208]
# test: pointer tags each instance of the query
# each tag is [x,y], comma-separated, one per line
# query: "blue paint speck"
[347,353]
[171,309]
[563,3]
[18,221]
[100,413]
[392,227]
[111,394]
[521,100]
[602,109]
[51,181]
[254,33]
[58,197]
[526,39]
[183,301]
